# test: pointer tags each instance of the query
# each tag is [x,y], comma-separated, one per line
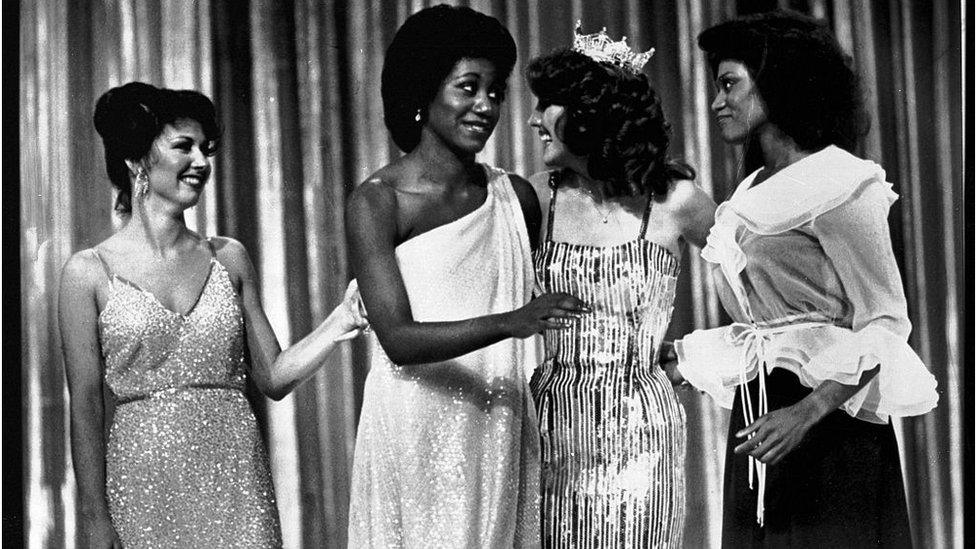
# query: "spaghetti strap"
[108,270]
[210,246]
[647,215]
[553,186]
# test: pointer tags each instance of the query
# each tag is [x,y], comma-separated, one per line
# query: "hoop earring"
[417,117]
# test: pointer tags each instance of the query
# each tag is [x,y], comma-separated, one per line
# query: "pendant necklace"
[605,215]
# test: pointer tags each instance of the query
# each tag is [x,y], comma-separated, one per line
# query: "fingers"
[351,334]
[556,323]
[351,289]
[751,428]
[569,303]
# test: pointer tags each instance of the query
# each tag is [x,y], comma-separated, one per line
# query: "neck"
[161,227]
[779,150]
[442,164]
[594,187]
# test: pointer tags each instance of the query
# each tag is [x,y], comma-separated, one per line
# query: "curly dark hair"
[805,78]
[423,52]
[130,118]
[613,118]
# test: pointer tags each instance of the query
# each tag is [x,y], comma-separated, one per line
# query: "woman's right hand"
[553,311]
[102,535]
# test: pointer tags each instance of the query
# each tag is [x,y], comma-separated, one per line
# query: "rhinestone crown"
[601,48]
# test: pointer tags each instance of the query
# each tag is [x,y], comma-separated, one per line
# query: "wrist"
[503,322]
[814,409]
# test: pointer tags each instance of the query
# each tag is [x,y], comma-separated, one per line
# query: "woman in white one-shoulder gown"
[446,454]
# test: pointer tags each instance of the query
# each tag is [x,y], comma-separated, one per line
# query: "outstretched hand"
[555,311]
[354,312]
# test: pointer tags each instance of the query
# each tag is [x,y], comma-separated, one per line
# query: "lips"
[195,181]
[477,126]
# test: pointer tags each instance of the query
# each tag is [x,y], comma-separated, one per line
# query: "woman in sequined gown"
[172,324]
[447,452]
[817,359]
[612,430]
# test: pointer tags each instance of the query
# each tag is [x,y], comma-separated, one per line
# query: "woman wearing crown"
[619,215]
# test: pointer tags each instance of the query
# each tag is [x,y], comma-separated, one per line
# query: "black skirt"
[841,487]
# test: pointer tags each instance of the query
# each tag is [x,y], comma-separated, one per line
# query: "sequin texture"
[185,463]
[612,429]
[447,452]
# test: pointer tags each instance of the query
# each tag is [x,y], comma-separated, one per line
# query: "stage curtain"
[296,83]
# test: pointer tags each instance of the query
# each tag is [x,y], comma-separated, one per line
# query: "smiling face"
[548,123]
[467,106]
[738,107]
[179,163]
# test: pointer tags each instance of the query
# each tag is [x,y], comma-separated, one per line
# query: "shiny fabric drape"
[297,86]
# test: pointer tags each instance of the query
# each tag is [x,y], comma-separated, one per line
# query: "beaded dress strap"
[553,185]
[647,215]
[108,270]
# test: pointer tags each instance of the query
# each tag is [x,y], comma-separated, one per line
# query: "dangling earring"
[418,116]
[142,184]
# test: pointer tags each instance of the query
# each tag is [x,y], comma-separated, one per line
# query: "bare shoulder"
[83,271]
[378,192]
[232,254]
[686,197]
[229,249]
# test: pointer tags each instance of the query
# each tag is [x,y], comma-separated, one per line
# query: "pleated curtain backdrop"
[297,86]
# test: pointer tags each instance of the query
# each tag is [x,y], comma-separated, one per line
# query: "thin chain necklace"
[605,215]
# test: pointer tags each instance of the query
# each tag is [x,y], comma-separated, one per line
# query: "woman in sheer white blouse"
[817,359]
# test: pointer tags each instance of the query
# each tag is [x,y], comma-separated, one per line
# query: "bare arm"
[855,238]
[695,212]
[78,321]
[530,208]
[779,432]
[371,228]
[277,372]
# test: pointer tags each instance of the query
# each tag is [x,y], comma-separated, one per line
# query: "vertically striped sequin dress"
[613,431]
[185,463]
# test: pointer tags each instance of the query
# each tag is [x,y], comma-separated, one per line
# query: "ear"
[560,126]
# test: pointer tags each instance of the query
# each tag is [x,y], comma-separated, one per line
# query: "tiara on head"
[599,47]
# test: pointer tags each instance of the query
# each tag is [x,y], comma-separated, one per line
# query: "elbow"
[277,389]
[401,357]
[276,394]
[401,347]
[274,388]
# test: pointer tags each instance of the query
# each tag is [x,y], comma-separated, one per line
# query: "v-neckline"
[156,300]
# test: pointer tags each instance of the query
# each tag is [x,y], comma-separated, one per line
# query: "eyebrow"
[724,74]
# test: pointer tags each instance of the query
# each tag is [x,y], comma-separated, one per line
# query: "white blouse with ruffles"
[803,263]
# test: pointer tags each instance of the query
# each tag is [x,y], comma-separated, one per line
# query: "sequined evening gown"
[613,431]
[185,463]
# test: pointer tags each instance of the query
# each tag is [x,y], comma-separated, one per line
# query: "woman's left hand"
[777,433]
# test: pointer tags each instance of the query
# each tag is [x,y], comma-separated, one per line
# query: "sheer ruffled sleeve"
[855,237]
